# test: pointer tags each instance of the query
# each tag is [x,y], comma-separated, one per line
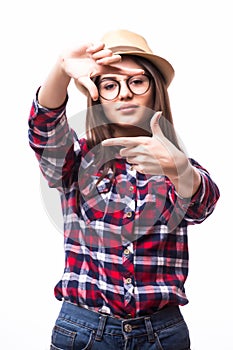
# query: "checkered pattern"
[126,249]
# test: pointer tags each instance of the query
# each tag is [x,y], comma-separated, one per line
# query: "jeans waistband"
[129,327]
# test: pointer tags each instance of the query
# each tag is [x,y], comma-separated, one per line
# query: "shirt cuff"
[45,109]
[196,198]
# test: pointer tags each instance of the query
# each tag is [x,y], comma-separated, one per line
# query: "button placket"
[126,251]
[128,280]
[129,214]
[131,188]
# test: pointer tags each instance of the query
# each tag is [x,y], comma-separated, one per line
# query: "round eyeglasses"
[109,88]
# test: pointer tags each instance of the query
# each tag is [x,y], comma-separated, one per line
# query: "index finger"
[123,141]
[113,66]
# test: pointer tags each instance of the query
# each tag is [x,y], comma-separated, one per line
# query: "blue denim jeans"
[80,329]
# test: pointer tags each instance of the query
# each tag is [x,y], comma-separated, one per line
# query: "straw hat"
[126,42]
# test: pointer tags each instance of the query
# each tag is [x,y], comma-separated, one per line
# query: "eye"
[108,85]
[138,80]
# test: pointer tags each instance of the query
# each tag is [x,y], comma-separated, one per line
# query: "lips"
[127,107]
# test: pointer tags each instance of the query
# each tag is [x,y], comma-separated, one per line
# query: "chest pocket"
[104,198]
[94,198]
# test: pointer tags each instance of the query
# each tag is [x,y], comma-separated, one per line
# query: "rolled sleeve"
[53,141]
[203,202]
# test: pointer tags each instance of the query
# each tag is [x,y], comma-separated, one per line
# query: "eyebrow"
[114,77]
[110,77]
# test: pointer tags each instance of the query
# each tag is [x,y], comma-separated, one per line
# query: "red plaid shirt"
[126,249]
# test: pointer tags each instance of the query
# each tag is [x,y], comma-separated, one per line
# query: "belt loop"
[150,331]
[101,325]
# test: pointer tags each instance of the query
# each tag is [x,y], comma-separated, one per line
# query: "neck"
[130,131]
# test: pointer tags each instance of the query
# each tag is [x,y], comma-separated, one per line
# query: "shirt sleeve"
[55,144]
[202,203]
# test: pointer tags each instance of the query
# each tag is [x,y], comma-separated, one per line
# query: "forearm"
[53,92]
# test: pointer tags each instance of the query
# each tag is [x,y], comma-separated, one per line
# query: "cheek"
[108,110]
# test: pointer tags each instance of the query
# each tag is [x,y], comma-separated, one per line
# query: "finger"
[95,47]
[124,141]
[75,51]
[154,124]
[135,151]
[114,68]
[127,71]
[130,160]
[99,55]
[109,59]
[90,86]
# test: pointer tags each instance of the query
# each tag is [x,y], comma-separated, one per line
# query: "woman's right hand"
[90,60]
[80,64]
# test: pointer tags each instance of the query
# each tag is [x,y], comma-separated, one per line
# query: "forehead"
[126,62]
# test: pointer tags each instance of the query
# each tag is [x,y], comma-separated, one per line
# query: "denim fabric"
[80,329]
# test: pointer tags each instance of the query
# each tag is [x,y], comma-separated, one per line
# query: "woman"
[128,194]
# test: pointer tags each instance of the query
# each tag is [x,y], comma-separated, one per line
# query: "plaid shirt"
[126,251]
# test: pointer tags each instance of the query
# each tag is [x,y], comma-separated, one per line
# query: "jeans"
[81,329]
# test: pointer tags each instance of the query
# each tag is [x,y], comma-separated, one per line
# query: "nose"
[125,92]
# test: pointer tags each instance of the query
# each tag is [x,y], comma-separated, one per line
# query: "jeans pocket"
[62,339]
[175,337]
[77,339]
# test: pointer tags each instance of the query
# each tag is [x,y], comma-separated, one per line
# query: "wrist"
[187,179]
[53,92]
[60,67]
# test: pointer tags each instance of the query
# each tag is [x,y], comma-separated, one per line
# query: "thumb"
[154,124]
[85,85]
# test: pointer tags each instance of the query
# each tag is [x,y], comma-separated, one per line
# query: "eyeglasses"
[110,88]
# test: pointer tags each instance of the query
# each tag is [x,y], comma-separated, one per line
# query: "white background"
[196,37]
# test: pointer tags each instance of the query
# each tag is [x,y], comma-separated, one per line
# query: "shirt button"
[129,214]
[127,328]
[131,188]
[128,280]
[126,251]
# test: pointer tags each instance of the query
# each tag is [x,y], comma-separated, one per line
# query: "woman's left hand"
[156,155]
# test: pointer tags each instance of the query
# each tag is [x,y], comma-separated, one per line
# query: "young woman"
[128,194]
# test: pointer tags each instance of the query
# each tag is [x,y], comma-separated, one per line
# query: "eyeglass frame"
[127,83]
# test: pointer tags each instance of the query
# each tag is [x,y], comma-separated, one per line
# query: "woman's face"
[127,110]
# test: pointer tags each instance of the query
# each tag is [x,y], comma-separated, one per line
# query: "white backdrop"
[196,37]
